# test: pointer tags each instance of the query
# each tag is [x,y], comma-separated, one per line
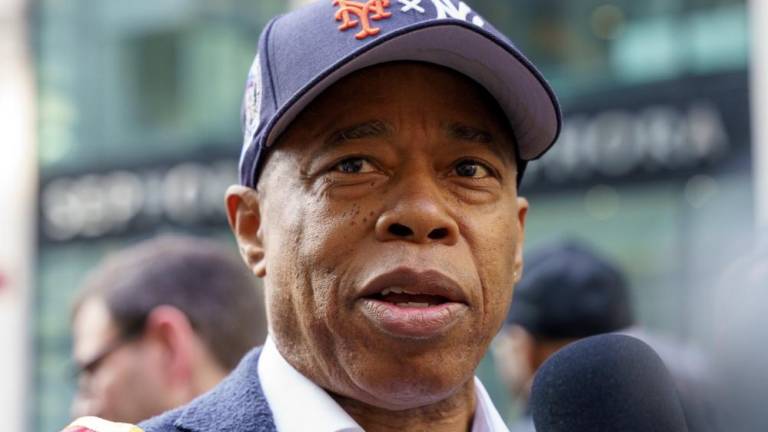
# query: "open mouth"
[408,299]
[411,304]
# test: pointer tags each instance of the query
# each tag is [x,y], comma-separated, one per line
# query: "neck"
[453,414]
[207,378]
[201,377]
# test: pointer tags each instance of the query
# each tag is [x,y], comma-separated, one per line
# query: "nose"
[418,215]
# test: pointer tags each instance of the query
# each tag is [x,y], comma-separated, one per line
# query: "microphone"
[606,383]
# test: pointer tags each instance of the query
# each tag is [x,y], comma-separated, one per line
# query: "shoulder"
[236,404]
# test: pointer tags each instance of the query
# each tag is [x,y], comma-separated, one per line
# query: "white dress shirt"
[283,386]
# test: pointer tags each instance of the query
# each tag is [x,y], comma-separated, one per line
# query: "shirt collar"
[283,385]
[487,417]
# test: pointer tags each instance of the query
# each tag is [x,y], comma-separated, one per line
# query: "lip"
[430,282]
[414,322]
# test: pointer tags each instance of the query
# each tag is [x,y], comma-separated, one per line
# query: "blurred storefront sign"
[129,201]
[662,130]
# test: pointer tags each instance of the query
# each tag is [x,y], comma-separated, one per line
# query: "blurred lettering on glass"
[117,202]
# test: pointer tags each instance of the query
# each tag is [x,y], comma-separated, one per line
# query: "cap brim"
[520,90]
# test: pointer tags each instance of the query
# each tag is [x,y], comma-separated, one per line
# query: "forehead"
[369,87]
[398,90]
[92,327]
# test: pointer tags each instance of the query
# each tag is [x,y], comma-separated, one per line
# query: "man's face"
[392,231]
[119,385]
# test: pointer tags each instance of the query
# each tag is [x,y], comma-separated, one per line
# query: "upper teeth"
[413,305]
[394,290]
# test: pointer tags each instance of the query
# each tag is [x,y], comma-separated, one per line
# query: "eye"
[354,165]
[472,168]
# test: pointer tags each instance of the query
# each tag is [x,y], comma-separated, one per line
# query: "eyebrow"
[469,133]
[379,128]
[464,132]
[367,129]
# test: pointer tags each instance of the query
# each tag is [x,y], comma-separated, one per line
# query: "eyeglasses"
[89,367]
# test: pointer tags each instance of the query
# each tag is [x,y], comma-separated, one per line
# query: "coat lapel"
[237,404]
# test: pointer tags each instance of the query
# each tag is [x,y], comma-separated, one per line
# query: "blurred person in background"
[569,292]
[160,323]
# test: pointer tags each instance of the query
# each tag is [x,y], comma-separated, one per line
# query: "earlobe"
[244,216]
[522,213]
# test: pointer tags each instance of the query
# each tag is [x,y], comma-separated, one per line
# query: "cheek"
[495,248]
[112,383]
[331,249]
[311,242]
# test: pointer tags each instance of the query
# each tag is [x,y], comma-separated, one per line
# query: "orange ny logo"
[374,8]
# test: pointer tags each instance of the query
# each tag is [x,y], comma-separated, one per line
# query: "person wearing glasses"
[160,323]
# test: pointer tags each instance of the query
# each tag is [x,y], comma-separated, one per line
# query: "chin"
[407,381]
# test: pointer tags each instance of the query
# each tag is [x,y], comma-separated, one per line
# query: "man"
[570,292]
[384,143]
[160,323]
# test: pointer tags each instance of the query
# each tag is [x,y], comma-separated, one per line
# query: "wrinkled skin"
[435,156]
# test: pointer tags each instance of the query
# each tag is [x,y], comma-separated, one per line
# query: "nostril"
[400,230]
[438,234]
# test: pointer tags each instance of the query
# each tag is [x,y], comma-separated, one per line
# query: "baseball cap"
[569,291]
[302,53]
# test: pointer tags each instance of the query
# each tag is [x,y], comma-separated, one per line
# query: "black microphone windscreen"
[606,383]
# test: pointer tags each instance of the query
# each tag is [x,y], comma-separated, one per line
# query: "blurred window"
[123,84]
[592,45]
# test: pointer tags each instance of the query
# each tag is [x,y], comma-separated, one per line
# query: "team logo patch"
[252,102]
[365,12]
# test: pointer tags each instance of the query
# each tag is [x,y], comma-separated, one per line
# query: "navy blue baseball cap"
[306,51]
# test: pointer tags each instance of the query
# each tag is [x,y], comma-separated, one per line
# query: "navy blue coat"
[237,404]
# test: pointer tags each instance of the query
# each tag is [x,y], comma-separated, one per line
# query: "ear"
[169,329]
[244,215]
[522,213]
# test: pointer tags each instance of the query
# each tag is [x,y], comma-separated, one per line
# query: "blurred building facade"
[138,131]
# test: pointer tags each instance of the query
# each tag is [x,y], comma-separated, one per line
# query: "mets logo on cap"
[365,12]
[354,14]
